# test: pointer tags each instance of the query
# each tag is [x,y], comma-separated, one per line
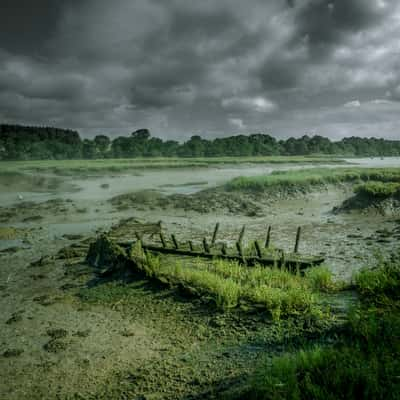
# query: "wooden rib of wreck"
[279,260]
[260,256]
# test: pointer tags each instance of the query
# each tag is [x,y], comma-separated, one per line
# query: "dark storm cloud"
[214,68]
[36,83]
[319,27]
[281,72]
[26,25]
[324,23]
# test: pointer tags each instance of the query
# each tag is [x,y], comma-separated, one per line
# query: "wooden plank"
[251,260]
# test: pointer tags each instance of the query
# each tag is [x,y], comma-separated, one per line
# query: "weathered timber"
[191,245]
[241,234]
[206,246]
[239,248]
[174,241]
[214,237]
[163,241]
[282,259]
[268,239]
[258,249]
[290,261]
[223,249]
[296,246]
[278,258]
[139,235]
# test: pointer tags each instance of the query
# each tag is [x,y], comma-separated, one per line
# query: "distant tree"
[19,142]
[89,150]
[120,147]
[194,147]
[102,144]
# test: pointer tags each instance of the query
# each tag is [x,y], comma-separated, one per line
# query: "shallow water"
[323,232]
[172,181]
[375,162]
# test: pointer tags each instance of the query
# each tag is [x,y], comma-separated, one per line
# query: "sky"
[212,67]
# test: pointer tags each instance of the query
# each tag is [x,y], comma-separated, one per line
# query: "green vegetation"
[101,166]
[363,364]
[305,178]
[228,284]
[380,286]
[378,190]
[42,143]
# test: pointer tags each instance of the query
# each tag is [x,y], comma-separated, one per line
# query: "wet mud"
[67,333]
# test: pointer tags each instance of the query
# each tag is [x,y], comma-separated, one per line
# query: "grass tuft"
[380,286]
[363,364]
[306,178]
[378,190]
[277,291]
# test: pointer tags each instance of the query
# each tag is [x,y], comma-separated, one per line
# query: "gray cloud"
[324,23]
[210,68]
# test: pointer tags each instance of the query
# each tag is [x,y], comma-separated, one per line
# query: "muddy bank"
[370,205]
[203,202]
[30,211]
[66,333]
[21,182]
[216,200]
[342,238]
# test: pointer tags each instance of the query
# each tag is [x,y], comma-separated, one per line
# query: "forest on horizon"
[19,142]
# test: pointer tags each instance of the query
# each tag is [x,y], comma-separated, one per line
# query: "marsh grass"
[306,178]
[279,292]
[327,373]
[378,190]
[101,166]
[363,364]
[320,279]
[380,286]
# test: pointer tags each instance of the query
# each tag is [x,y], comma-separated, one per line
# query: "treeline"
[40,143]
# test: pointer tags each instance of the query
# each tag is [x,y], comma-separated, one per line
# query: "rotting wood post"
[191,245]
[258,249]
[267,259]
[223,249]
[298,234]
[138,236]
[241,234]
[214,237]
[174,241]
[282,259]
[206,246]
[268,239]
[239,248]
[163,241]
